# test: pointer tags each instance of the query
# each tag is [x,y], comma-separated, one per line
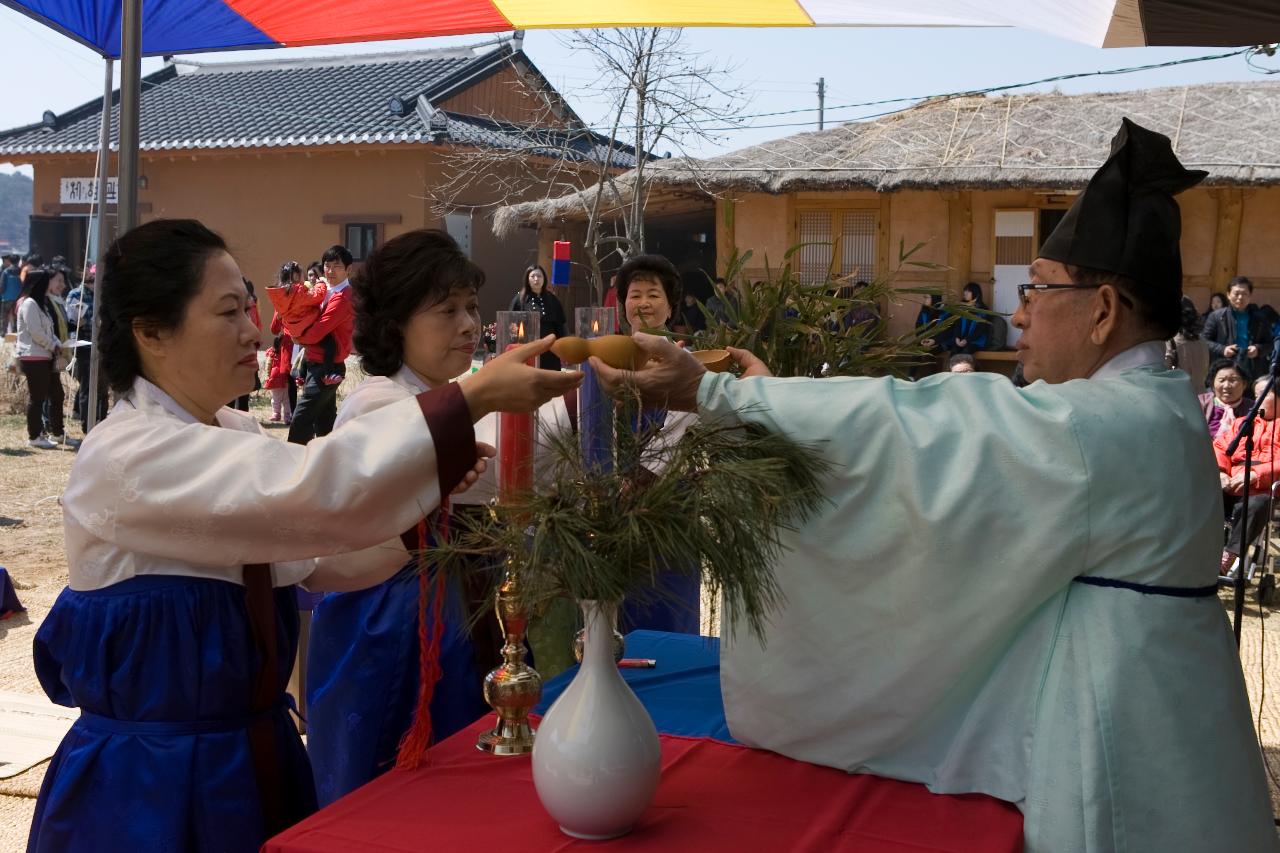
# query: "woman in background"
[535,296]
[1227,397]
[648,290]
[40,357]
[970,335]
[1187,351]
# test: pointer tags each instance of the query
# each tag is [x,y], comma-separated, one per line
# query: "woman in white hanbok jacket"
[372,669]
[176,634]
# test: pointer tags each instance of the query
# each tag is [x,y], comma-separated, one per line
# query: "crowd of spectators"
[1238,335]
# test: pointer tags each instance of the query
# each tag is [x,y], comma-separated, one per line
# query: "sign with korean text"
[85,191]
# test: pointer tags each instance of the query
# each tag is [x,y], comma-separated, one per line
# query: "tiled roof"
[372,99]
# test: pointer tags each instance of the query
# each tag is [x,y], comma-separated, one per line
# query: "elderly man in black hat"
[1058,643]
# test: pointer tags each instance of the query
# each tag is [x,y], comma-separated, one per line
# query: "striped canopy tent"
[183,26]
[131,29]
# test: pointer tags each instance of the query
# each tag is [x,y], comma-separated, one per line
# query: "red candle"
[515,451]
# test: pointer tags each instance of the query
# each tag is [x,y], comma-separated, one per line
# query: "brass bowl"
[714,360]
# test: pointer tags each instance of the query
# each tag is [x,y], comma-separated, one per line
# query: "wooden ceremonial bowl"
[714,360]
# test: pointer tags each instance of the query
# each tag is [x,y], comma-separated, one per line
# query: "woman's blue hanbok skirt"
[362,680]
[675,611]
[163,669]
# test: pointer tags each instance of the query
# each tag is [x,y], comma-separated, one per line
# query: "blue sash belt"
[1147,589]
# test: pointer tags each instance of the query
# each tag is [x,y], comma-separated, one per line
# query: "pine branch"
[712,505]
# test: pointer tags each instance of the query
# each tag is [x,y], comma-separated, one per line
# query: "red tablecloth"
[713,796]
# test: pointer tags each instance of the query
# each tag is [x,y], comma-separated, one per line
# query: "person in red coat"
[1262,474]
[279,382]
[290,273]
[323,367]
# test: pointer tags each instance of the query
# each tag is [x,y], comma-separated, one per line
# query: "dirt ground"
[31,549]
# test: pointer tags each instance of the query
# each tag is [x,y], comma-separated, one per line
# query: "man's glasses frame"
[1023,288]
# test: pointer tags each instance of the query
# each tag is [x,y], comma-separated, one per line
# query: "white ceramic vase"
[596,759]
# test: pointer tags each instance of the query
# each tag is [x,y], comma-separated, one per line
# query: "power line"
[1008,86]
[905,102]
[1249,52]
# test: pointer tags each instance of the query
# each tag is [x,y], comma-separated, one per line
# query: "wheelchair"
[1260,574]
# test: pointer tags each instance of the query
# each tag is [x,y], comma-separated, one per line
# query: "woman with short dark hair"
[176,634]
[648,292]
[1217,301]
[1228,396]
[417,323]
[535,295]
[658,272]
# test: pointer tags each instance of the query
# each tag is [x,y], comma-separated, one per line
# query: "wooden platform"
[31,727]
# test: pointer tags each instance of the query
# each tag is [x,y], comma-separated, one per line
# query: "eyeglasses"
[1023,288]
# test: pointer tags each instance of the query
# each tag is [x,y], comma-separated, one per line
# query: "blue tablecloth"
[682,693]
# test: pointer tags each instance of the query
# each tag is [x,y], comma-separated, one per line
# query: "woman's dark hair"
[1221,297]
[1191,321]
[1220,364]
[525,289]
[650,267]
[149,276]
[402,276]
[975,290]
[248,286]
[36,287]
[337,252]
[317,268]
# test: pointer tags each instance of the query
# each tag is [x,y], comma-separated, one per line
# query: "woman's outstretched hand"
[508,384]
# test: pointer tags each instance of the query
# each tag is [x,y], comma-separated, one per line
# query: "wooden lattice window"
[825,235]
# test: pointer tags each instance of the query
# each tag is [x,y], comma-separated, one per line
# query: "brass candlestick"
[514,688]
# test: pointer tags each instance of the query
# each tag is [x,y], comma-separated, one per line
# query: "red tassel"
[416,741]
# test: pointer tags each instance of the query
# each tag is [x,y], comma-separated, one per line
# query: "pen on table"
[637,663]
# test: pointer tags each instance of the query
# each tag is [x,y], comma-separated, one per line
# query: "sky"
[779,67]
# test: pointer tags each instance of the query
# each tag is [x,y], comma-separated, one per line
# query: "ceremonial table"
[714,794]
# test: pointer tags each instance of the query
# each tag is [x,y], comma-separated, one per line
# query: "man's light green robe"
[932,629]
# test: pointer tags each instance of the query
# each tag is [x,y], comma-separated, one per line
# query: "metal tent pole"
[130,94]
[103,235]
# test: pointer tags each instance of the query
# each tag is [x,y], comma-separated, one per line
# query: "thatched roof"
[1041,140]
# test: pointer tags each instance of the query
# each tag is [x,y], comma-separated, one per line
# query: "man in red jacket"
[1266,459]
[318,405]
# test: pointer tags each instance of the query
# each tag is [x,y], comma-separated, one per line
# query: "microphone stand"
[1245,432]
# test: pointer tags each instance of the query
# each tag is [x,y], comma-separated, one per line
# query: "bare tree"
[659,95]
